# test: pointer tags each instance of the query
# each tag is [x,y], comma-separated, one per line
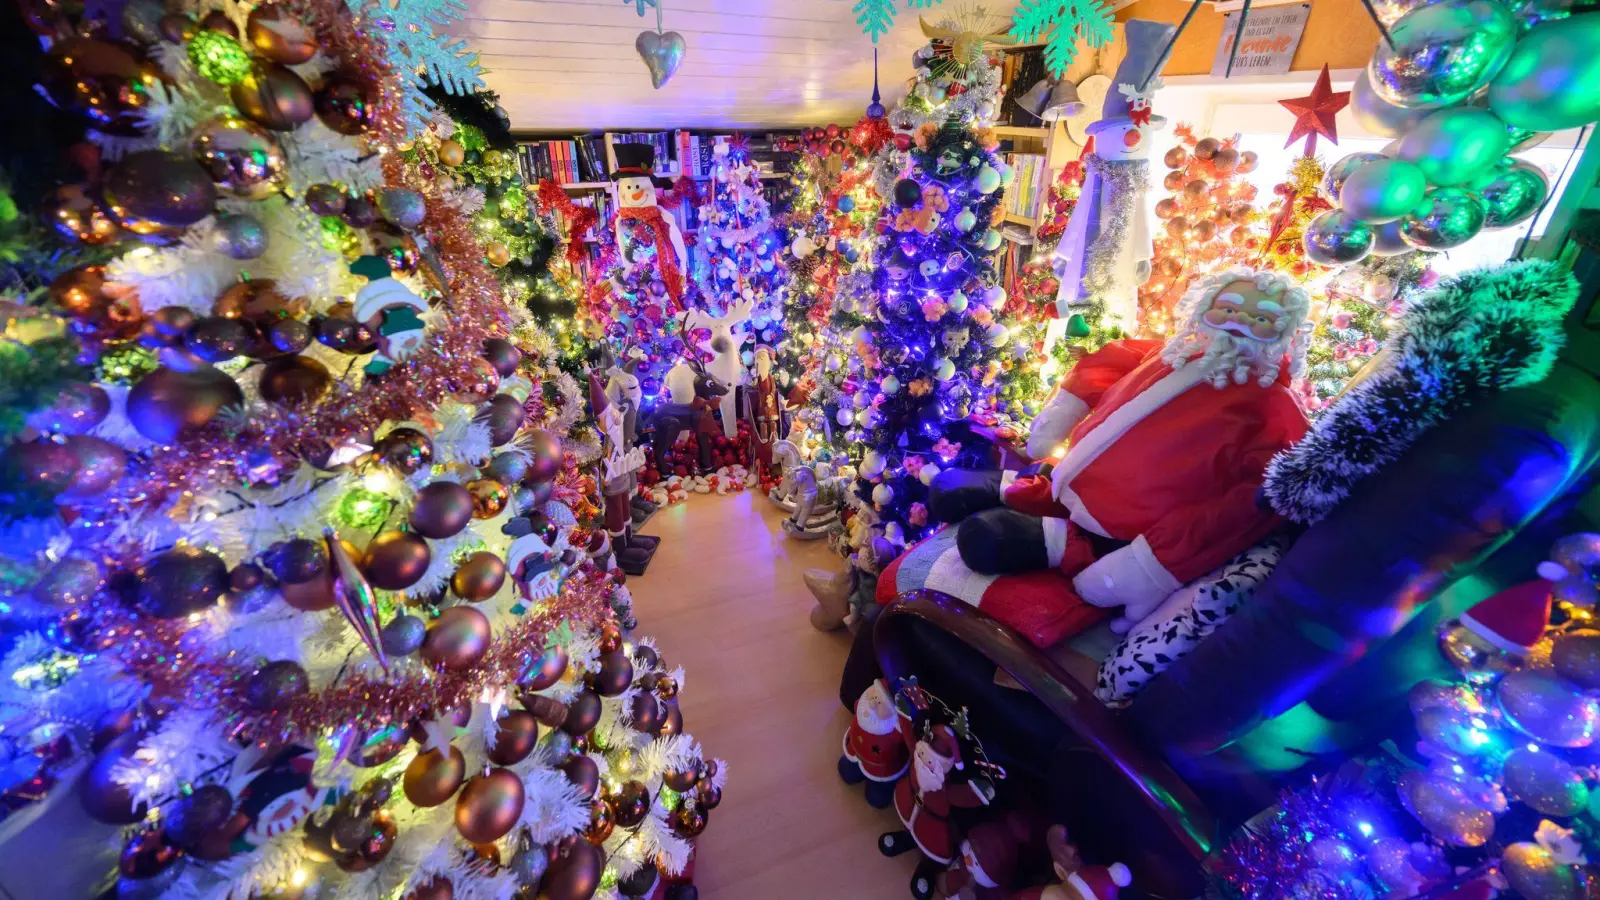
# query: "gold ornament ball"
[610,638]
[666,687]
[277,34]
[631,804]
[458,639]
[433,777]
[1535,874]
[395,560]
[274,97]
[515,736]
[688,821]
[489,806]
[479,576]
[242,157]
[451,153]
[497,253]
[1576,657]
[601,823]
[77,218]
[489,497]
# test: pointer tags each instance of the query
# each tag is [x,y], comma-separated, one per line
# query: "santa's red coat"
[882,757]
[1162,463]
[926,814]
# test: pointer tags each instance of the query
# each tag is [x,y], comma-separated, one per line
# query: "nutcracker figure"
[766,414]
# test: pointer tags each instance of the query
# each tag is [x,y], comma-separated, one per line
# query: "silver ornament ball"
[240,236]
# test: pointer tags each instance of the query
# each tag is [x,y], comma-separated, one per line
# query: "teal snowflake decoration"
[411,30]
[641,5]
[877,16]
[1066,22]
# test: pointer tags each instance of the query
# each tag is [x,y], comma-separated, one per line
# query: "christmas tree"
[301,594]
[1205,222]
[934,345]
[831,220]
[742,252]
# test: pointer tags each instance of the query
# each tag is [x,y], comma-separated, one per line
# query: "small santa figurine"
[941,781]
[987,866]
[766,413]
[642,226]
[1105,251]
[1168,444]
[1076,881]
[875,746]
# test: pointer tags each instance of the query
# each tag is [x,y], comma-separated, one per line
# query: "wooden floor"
[724,599]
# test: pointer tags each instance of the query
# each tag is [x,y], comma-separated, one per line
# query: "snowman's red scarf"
[666,254]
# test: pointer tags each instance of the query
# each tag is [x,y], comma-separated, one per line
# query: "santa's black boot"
[894,843]
[1002,541]
[683,892]
[922,880]
[958,493]
[880,794]
[850,772]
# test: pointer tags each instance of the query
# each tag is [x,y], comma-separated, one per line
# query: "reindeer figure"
[728,367]
[672,418]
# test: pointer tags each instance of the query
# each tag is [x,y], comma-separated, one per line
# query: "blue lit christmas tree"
[933,346]
[743,251]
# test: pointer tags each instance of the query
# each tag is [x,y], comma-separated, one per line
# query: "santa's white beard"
[1225,357]
[930,771]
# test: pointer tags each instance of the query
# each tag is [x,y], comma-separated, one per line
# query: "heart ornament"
[662,53]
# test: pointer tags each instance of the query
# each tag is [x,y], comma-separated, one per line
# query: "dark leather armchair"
[1344,626]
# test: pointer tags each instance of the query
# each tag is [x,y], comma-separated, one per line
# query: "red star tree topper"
[1313,115]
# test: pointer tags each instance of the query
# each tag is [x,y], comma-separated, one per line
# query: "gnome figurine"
[391,311]
[1105,252]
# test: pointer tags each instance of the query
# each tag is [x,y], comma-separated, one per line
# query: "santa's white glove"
[1055,422]
[1141,271]
[1130,577]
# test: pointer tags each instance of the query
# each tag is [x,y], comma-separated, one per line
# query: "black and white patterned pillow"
[1183,622]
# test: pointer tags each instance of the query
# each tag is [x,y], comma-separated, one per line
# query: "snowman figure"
[1105,252]
[392,311]
[641,223]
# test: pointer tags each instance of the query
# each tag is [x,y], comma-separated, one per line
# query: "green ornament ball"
[1447,218]
[1382,190]
[219,57]
[1552,80]
[1513,194]
[1454,146]
[988,180]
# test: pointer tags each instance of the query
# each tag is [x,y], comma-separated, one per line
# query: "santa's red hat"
[597,395]
[993,849]
[1513,620]
[1100,882]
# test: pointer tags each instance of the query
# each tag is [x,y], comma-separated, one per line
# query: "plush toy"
[1169,445]
[726,365]
[875,746]
[1105,252]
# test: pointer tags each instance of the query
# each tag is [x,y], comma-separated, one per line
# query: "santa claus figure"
[642,227]
[940,782]
[875,746]
[1105,251]
[766,413]
[1076,881]
[1166,447]
[986,869]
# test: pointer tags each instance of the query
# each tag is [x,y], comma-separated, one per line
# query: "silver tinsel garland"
[1122,186]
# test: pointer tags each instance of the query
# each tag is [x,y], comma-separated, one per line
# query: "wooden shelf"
[1018,131]
[587,186]
[1021,220]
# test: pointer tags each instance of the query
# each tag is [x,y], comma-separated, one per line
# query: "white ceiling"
[571,65]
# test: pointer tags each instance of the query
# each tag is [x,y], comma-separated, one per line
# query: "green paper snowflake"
[412,32]
[877,16]
[1066,22]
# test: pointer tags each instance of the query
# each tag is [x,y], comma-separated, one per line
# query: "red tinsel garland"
[579,218]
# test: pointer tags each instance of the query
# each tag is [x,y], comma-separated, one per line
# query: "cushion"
[1182,621]
[1041,605]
